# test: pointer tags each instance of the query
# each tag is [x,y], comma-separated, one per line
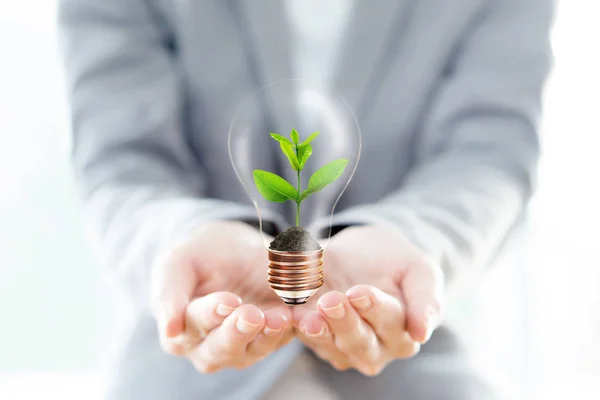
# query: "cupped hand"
[381,299]
[212,301]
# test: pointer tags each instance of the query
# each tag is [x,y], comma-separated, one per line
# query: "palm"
[348,266]
[350,260]
[235,262]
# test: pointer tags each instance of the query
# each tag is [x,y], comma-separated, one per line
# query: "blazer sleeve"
[141,186]
[479,145]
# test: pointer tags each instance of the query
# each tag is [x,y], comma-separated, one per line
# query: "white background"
[537,323]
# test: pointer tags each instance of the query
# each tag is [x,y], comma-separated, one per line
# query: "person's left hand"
[380,301]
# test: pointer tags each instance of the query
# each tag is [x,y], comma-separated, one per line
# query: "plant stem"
[298,200]
[298,203]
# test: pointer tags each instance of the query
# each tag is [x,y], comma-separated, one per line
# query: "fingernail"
[362,303]
[271,332]
[318,334]
[430,323]
[245,326]
[179,340]
[336,312]
[224,310]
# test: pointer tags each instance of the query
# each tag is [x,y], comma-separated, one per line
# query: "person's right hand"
[212,301]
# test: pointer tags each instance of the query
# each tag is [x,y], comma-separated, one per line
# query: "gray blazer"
[447,94]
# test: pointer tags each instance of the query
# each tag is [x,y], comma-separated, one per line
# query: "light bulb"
[295,273]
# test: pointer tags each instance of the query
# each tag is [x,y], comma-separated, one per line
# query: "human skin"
[376,305]
[213,304]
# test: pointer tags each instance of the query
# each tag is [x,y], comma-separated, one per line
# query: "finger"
[207,313]
[316,335]
[172,286]
[352,335]
[277,325]
[423,287]
[226,345]
[385,314]
[202,315]
[300,311]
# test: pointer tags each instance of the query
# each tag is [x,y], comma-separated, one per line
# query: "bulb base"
[295,275]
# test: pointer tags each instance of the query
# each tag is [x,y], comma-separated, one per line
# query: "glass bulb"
[307,107]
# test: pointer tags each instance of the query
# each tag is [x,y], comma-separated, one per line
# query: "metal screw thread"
[295,276]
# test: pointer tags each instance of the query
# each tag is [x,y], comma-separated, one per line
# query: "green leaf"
[304,152]
[280,138]
[311,138]
[295,137]
[273,187]
[290,153]
[324,176]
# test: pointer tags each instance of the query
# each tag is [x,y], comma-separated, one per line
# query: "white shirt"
[317,28]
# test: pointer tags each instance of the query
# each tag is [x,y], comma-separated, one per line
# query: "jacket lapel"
[373,30]
[266,34]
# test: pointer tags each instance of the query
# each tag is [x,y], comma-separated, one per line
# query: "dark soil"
[294,239]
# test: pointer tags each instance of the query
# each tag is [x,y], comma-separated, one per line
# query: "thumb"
[422,287]
[173,283]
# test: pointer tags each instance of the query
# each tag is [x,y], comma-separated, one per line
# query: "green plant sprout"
[276,189]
